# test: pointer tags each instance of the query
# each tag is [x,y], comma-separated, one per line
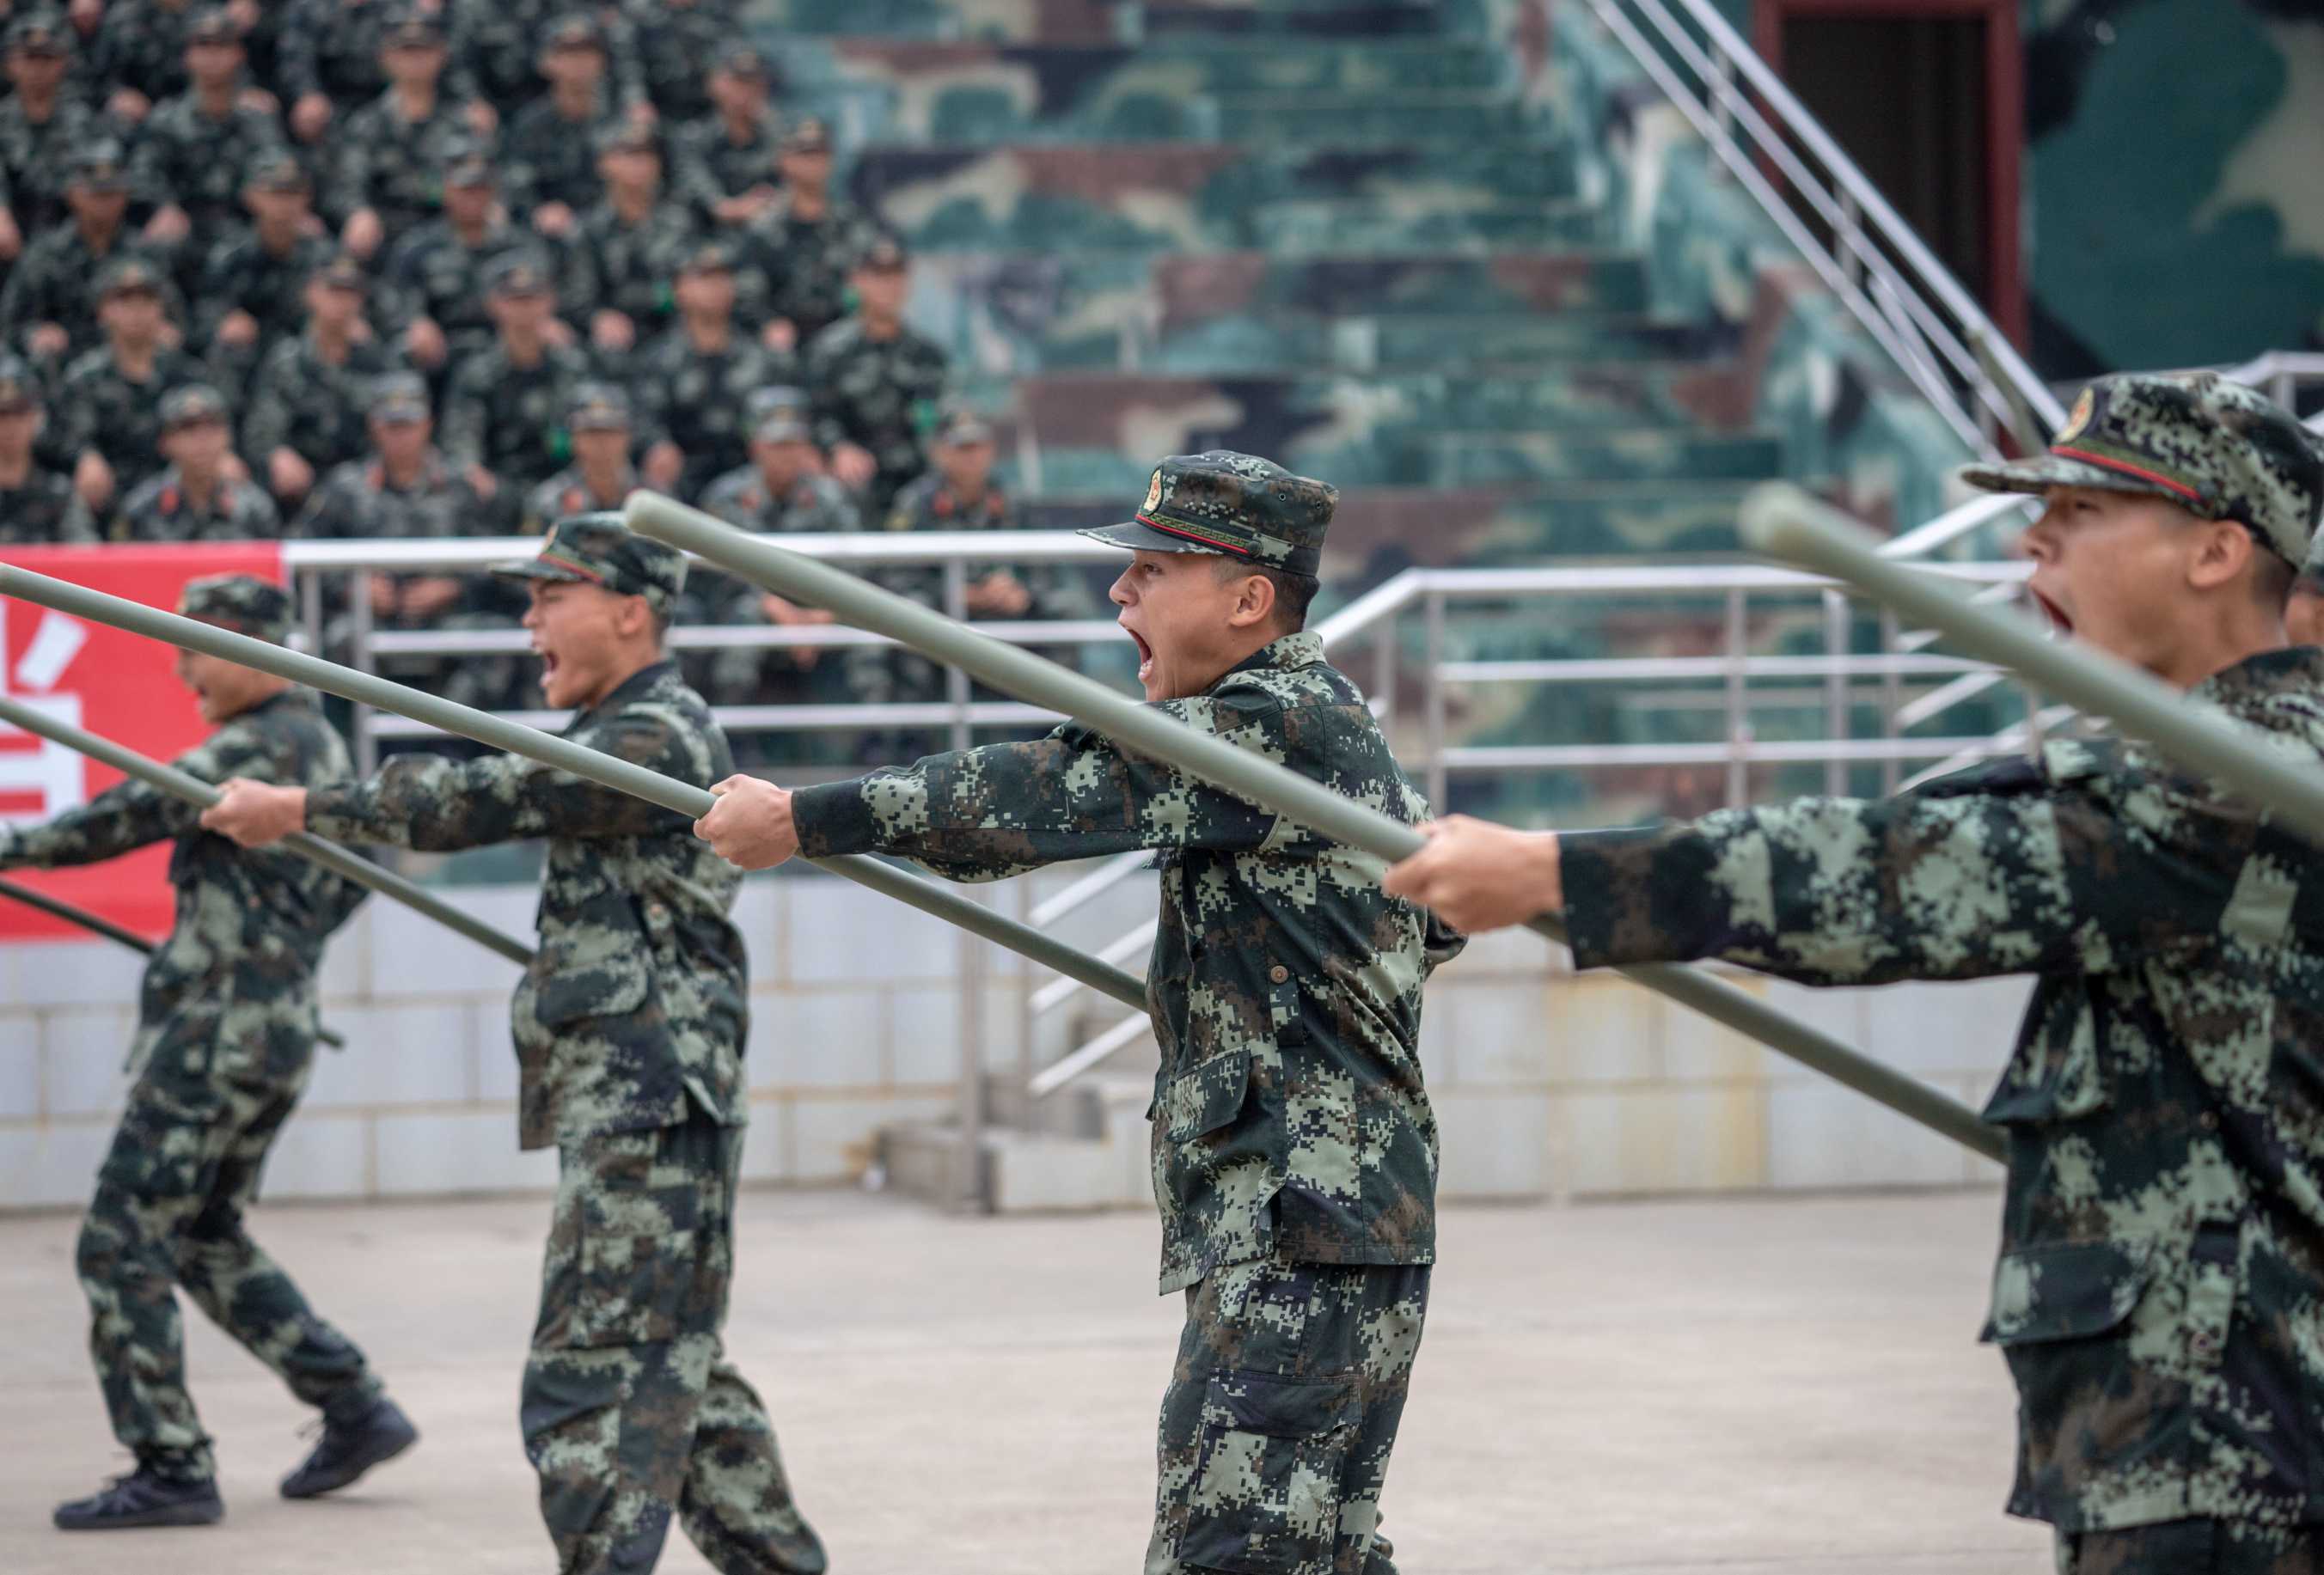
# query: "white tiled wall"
[1546,1084]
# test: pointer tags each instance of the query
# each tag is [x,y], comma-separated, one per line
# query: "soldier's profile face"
[1176,607]
[576,633]
[2111,568]
[223,690]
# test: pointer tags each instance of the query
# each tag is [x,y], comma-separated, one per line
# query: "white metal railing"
[1906,300]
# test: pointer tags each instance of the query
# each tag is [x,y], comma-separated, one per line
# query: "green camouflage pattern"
[432,274]
[740,675]
[44,510]
[676,42]
[569,491]
[2163,1240]
[1233,505]
[545,158]
[614,266]
[497,48]
[2214,447]
[55,282]
[599,550]
[698,399]
[708,166]
[36,158]
[632,1011]
[881,395]
[511,418]
[161,509]
[1289,1115]
[2192,1547]
[185,156]
[630,1409]
[1280,1415]
[318,408]
[100,409]
[394,165]
[806,262]
[242,274]
[226,1039]
[258,608]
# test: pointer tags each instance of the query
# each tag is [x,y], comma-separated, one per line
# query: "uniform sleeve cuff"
[832,818]
[1619,888]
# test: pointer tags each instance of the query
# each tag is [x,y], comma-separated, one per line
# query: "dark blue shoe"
[349,1449]
[144,1497]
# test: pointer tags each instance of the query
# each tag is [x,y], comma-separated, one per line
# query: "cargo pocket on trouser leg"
[1270,1472]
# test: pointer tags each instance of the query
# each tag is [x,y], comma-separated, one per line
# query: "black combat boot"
[350,1448]
[144,1497]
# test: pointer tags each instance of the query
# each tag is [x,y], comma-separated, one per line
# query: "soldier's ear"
[1254,602]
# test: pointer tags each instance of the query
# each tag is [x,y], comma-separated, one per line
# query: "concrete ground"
[1696,1388]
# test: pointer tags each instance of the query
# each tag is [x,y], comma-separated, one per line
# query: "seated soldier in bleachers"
[695,382]
[725,160]
[405,490]
[138,56]
[624,250]
[549,152]
[496,52]
[51,304]
[876,382]
[43,123]
[387,177]
[601,476]
[333,61]
[193,150]
[806,242]
[433,302]
[307,403]
[504,415]
[37,503]
[196,497]
[677,40]
[254,284]
[109,404]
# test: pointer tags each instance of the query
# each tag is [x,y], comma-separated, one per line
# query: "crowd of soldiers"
[387,268]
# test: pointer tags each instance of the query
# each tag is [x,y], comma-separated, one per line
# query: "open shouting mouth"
[1145,653]
[2060,619]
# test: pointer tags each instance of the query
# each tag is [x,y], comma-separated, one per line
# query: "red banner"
[120,685]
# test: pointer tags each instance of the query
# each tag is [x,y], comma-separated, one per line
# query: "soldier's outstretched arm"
[983,814]
[2092,874]
[132,815]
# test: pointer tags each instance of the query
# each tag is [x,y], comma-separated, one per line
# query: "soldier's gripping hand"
[1478,876]
[750,825]
[255,814]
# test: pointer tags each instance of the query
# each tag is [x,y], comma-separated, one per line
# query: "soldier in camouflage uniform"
[405,490]
[1294,1152]
[496,50]
[38,505]
[2163,1238]
[139,53]
[503,419]
[808,239]
[387,179]
[782,491]
[109,403]
[193,499]
[193,150]
[42,122]
[626,249]
[254,284]
[307,403]
[433,300]
[696,381]
[333,56]
[727,159]
[549,154]
[51,303]
[629,1030]
[877,384]
[225,1040]
[677,42]
[600,478]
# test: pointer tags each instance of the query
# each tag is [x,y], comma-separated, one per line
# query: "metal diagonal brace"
[1785,522]
[98,924]
[562,754]
[1248,775]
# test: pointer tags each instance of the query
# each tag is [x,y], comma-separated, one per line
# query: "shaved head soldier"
[2163,1233]
[629,1039]
[1295,1151]
[225,1040]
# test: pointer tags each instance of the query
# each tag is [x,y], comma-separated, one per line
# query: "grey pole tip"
[2199,736]
[1031,679]
[1771,511]
[499,732]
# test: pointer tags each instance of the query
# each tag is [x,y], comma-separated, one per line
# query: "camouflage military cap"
[882,254]
[959,426]
[2215,447]
[575,30]
[274,170]
[710,257]
[191,403]
[128,276]
[626,136]
[599,406]
[242,603]
[518,273]
[19,391]
[598,549]
[213,24]
[342,273]
[41,32]
[467,163]
[778,414]
[1235,504]
[100,165]
[398,397]
[412,28]
[807,135]
[742,59]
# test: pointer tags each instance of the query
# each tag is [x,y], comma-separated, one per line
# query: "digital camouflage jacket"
[2160,1295]
[1288,1113]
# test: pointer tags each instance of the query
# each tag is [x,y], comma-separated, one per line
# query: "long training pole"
[202,795]
[1785,522]
[562,754]
[98,924]
[1272,787]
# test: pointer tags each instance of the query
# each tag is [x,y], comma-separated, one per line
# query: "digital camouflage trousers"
[184,1166]
[1280,1416]
[2193,1547]
[631,1411]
